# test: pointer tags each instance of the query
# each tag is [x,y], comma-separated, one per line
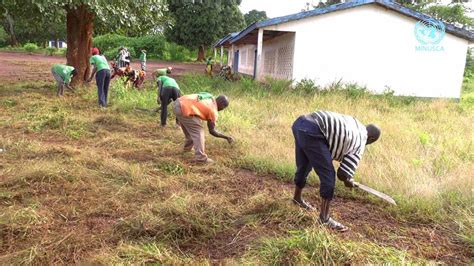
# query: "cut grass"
[118,189]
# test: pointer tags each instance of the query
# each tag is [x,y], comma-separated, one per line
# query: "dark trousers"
[312,151]
[167,94]
[102,79]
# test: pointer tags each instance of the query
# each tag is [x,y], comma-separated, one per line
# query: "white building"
[375,43]
[60,44]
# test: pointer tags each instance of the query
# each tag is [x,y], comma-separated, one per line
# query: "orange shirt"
[204,109]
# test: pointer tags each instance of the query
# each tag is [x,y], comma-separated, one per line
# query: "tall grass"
[425,157]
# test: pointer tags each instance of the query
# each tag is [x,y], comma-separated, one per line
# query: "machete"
[375,193]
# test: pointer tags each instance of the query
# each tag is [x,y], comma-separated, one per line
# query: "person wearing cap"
[63,75]
[168,90]
[143,60]
[163,71]
[101,70]
[190,110]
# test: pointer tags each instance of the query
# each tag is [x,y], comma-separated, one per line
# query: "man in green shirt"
[163,72]
[143,60]
[63,75]
[168,90]
[101,70]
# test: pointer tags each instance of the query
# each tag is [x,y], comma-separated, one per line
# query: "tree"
[198,23]
[80,17]
[254,16]
[454,13]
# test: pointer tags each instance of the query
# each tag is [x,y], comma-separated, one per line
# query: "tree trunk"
[79,40]
[201,54]
[11,31]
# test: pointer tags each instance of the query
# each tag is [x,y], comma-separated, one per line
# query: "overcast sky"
[277,8]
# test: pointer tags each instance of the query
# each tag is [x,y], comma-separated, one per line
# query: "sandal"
[303,204]
[335,225]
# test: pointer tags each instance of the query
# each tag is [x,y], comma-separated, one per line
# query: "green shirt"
[100,62]
[168,82]
[64,72]
[161,72]
[143,57]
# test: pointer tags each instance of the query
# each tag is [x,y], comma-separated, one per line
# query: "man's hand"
[349,183]
[230,140]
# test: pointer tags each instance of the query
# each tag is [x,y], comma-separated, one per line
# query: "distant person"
[320,138]
[168,90]
[143,60]
[63,75]
[209,67]
[163,72]
[189,111]
[101,70]
[126,58]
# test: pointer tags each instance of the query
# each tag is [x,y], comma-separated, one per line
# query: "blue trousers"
[102,79]
[312,152]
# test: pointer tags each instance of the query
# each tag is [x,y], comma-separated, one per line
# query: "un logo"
[430,31]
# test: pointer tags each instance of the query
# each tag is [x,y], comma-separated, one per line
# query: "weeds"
[82,185]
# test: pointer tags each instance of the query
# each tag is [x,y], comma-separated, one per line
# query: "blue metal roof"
[226,38]
[465,34]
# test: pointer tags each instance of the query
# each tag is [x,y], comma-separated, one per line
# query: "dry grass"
[81,185]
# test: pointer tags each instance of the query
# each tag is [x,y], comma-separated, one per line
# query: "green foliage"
[317,247]
[155,45]
[254,16]
[50,50]
[3,37]
[203,22]
[307,86]
[30,47]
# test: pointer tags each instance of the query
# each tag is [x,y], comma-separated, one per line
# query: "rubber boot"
[326,219]
[298,200]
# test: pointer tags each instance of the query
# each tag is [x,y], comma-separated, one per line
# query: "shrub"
[50,50]
[307,86]
[30,47]
[155,45]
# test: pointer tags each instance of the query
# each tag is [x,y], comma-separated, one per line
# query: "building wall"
[278,57]
[246,58]
[376,48]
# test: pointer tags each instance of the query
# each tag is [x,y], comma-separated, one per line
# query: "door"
[255,65]
[236,61]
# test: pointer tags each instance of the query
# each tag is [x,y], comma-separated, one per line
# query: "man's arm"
[212,130]
[94,70]
[69,87]
[347,169]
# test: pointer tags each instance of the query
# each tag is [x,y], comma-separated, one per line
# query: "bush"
[307,86]
[30,47]
[3,37]
[155,45]
[50,51]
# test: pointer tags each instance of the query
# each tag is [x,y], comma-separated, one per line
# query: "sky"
[277,8]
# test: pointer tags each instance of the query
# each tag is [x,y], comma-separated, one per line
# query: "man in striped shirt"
[320,138]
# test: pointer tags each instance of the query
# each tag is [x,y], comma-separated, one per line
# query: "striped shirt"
[346,137]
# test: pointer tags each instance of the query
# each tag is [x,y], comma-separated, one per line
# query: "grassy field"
[79,184]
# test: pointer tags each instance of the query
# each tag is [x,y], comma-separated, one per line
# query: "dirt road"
[20,67]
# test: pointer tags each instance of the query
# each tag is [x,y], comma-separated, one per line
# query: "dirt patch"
[22,67]
[367,222]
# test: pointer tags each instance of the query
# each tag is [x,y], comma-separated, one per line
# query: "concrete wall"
[277,56]
[246,58]
[375,47]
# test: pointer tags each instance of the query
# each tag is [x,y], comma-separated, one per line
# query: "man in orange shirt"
[190,110]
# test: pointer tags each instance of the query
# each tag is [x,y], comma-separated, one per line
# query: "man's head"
[95,51]
[73,72]
[373,133]
[222,102]
[143,51]
[168,70]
